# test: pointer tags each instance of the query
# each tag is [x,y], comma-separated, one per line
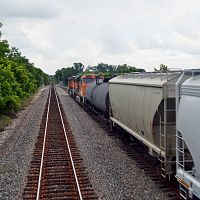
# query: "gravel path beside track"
[113,174]
[16,148]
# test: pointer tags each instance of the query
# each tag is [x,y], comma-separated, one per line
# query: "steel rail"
[68,146]
[43,148]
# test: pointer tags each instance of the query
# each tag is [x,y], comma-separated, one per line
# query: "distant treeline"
[18,78]
[102,68]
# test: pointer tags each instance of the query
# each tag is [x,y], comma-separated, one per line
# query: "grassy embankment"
[6,120]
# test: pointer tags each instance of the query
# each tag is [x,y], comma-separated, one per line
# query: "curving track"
[57,171]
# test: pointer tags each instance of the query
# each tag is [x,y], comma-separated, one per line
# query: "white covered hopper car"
[188,134]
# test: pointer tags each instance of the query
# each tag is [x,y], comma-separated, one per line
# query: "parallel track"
[57,171]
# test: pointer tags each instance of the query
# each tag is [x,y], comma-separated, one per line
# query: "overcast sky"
[143,33]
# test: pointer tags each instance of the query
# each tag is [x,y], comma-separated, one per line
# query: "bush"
[4,121]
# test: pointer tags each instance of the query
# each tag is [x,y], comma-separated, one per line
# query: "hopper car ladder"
[165,138]
[182,160]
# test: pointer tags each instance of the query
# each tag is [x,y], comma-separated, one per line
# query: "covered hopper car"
[144,106]
[188,134]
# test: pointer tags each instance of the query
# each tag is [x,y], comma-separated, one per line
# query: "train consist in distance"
[162,110]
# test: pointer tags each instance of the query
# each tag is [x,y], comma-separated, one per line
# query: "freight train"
[162,110]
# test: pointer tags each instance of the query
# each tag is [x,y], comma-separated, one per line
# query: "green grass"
[27,101]
[4,121]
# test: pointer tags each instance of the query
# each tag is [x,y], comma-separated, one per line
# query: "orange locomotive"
[72,85]
[77,86]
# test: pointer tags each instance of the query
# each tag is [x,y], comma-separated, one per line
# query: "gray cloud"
[172,54]
[113,45]
[175,41]
[187,24]
[29,9]
[113,42]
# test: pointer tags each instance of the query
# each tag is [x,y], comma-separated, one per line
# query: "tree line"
[19,78]
[102,68]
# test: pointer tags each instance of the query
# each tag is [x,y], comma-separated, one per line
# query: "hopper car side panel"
[138,112]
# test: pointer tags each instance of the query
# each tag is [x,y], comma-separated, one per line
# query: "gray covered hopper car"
[144,106]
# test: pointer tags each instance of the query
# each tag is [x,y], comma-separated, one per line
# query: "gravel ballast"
[112,173]
[17,144]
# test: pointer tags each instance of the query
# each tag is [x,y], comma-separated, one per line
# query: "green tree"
[162,68]
[18,77]
[64,73]
[9,90]
[102,68]
[78,67]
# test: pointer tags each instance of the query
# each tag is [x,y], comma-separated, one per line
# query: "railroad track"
[57,170]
